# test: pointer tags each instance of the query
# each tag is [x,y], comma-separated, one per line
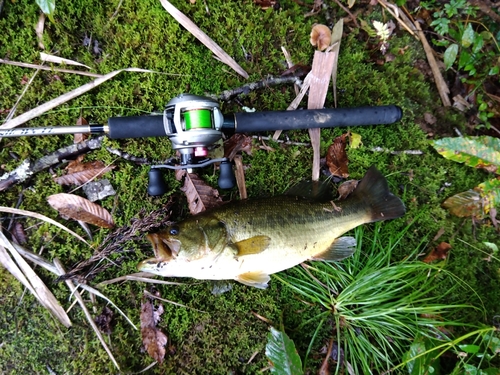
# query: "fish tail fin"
[374,191]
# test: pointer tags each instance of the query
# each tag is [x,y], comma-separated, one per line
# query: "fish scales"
[249,240]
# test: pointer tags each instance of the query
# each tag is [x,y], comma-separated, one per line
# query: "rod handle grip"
[136,127]
[316,118]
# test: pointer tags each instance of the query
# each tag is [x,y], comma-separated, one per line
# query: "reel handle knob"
[226,180]
[156,183]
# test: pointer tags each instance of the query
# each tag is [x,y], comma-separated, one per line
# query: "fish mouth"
[165,250]
[151,265]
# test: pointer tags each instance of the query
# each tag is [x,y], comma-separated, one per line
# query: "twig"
[41,109]
[399,16]
[114,241]
[43,67]
[353,17]
[295,103]
[202,37]
[21,270]
[249,87]
[281,141]
[77,295]
[28,169]
[14,107]
[438,77]
[127,156]
[240,177]
[409,152]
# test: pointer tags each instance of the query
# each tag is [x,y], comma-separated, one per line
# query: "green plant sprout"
[377,307]
[471,47]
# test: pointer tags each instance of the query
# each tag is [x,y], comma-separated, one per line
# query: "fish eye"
[174,230]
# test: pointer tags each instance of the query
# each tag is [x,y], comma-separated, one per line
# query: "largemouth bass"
[249,240]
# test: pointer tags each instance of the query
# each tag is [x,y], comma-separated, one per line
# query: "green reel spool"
[198,118]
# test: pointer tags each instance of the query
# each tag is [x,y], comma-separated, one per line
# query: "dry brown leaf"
[200,196]
[103,321]
[80,137]
[80,173]
[237,142]
[18,233]
[336,157]
[153,339]
[266,4]
[440,252]
[347,188]
[78,208]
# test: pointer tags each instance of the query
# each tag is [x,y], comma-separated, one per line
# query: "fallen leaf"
[80,137]
[354,140]
[80,173]
[440,252]
[476,152]
[336,157]
[236,143]
[476,202]
[78,208]
[18,233]
[103,321]
[153,339]
[266,4]
[467,203]
[347,188]
[200,196]
[439,233]
[297,70]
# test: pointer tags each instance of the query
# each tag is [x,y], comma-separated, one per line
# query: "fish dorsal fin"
[319,191]
[252,245]
[256,279]
[341,248]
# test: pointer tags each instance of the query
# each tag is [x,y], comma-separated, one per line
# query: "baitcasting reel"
[194,123]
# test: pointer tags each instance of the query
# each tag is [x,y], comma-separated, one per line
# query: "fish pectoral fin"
[256,279]
[252,245]
[341,248]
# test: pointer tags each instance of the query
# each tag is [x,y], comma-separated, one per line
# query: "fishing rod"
[194,123]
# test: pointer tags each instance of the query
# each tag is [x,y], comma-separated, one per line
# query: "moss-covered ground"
[217,334]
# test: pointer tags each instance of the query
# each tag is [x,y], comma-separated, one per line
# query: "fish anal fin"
[256,279]
[341,248]
[252,245]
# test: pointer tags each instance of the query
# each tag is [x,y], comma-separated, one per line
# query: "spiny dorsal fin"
[341,248]
[374,191]
[256,279]
[252,245]
[318,191]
